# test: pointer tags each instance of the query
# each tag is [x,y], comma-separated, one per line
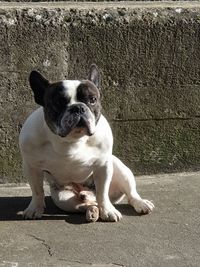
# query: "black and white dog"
[69,142]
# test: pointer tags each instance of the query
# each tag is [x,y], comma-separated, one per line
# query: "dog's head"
[71,107]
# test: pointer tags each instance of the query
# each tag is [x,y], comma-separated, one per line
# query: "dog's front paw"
[142,205]
[33,211]
[110,214]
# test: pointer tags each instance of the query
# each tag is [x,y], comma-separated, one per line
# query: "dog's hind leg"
[72,199]
[123,181]
[68,201]
[36,206]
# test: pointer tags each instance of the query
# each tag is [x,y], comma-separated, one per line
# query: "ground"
[167,237]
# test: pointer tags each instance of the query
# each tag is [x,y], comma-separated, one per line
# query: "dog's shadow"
[11,210]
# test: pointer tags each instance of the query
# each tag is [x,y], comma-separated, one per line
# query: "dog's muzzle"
[77,116]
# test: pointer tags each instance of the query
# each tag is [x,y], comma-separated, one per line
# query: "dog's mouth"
[80,125]
[85,123]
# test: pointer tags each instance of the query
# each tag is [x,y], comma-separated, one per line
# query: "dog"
[69,142]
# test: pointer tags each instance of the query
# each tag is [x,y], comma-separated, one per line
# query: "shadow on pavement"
[11,210]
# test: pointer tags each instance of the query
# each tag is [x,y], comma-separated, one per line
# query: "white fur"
[73,159]
[70,87]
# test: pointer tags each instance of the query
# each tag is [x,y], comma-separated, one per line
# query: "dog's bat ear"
[38,84]
[94,75]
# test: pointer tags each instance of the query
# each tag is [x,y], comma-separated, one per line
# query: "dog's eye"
[92,100]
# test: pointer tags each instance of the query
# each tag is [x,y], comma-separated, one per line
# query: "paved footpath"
[170,236]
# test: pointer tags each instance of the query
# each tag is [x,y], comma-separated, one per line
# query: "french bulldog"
[69,142]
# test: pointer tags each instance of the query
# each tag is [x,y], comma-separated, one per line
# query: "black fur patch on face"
[89,94]
[56,97]
[55,104]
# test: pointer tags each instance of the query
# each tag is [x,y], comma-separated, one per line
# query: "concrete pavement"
[167,237]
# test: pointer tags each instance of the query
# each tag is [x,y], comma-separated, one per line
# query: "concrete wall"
[150,63]
[79,0]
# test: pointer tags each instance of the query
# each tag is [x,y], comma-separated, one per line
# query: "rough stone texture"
[95,0]
[149,57]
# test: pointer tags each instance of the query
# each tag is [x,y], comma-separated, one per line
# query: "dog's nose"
[82,109]
[78,109]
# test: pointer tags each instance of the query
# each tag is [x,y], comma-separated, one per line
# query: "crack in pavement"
[111,264]
[44,244]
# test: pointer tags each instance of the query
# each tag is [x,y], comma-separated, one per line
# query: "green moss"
[10,167]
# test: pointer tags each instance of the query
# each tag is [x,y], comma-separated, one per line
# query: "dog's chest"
[72,163]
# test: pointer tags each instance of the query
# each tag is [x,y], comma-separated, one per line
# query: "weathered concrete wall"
[80,0]
[149,59]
